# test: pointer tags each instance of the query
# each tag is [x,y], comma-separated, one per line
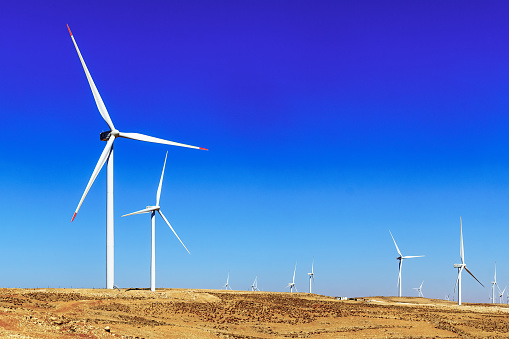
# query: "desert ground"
[180,313]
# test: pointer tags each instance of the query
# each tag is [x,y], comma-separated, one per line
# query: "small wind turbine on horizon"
[400,258]
[227,285]
[419,290]
[501,294]
[152,210]
[311,275]
[493,284]
[254,286]
[292,284]
[107,156]
[462,266]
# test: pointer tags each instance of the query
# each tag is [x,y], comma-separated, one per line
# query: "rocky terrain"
[178,313]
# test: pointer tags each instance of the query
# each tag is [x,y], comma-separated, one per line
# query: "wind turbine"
[292,284]
[227,285]
[419,290]
[501,294]
[400,258]
[254,286]
[311,275]
[107,156]
[462,266]
[493,283]
[152,210]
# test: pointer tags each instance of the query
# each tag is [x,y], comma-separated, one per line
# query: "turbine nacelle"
[459,265]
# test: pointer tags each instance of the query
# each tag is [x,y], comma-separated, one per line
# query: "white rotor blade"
[294,273]
[162,215]
[462,252]
[395,244]
[412,256]
[98,101]
[98,166]
[457,279]
[161,181]
[146,210]
[142,137]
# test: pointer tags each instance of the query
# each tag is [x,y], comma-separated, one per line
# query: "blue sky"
[327,124]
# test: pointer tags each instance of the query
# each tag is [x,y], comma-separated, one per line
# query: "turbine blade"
[312,263]
[395,244]
[166,220]
[466,269]
[98,166]
[294,272]
[98,101]
[161,181]
[462,252]
[146,210]
[142,137]
[412,256]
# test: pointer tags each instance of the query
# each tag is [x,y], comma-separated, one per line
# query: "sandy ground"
[178,313]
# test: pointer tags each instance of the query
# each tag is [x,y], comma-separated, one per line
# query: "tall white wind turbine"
[400,258]
[493,284]
[462,266]
[419,290]
[152,210]
[311,275]
[292,284]
[107,156]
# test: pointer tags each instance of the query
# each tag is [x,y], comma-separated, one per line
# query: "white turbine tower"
[400,258]
[292,284]
[419,290]
[311,275]
[462,266]
[227,285]
[152,210]
[493,284]
[107,156]
[254,286]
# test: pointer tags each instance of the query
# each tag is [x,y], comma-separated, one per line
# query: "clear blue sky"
[328,124]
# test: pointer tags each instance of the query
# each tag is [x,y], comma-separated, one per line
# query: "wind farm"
[328,124]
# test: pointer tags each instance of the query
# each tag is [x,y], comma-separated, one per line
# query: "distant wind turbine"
[254,286]
[493,284]
[311,275]
[227,285]
[462,266]
[501,294]
[152,210]
[400,258]
[419,290]
[292,284]
[107,156]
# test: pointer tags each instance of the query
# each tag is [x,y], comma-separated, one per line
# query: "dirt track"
[176,313]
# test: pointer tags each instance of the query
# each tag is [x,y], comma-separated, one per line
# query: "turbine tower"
[419,290]
[311,275]
[292,284]
[400,258]
[152,210]
[462,266]
[227,285]
[107,156]
[493,284]
[254,286]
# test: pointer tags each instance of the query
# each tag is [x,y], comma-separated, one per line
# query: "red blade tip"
[205,149]
[74,216]
[69,30]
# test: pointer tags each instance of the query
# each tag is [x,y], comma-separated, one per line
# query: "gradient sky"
[328,124]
